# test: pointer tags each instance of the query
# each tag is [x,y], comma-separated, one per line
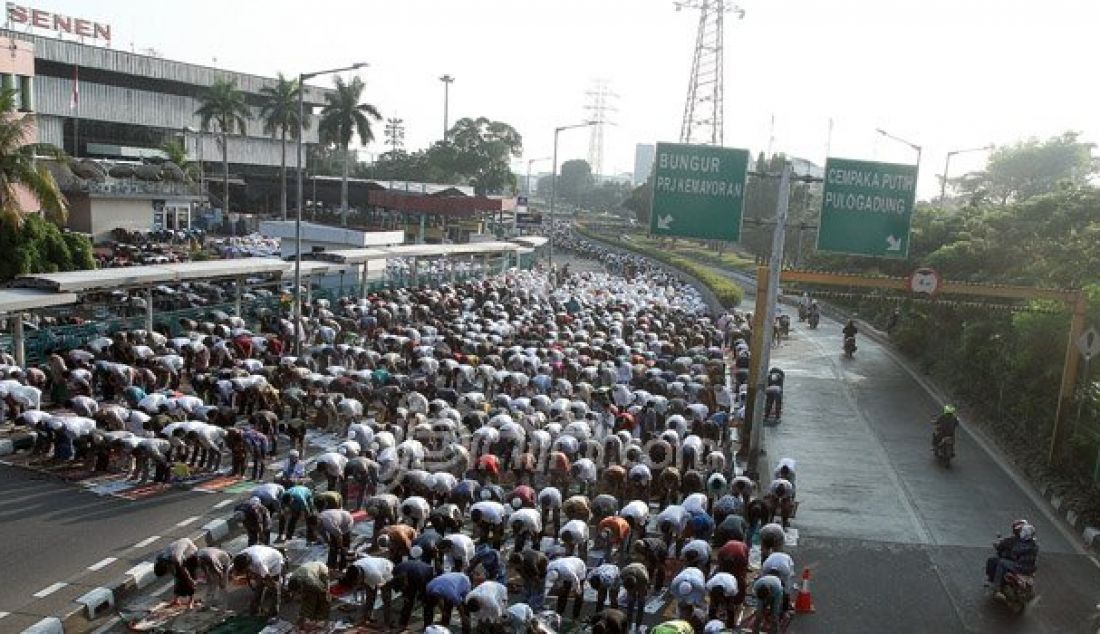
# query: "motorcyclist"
[814,313]
[850,332]
[1017,553]
[944,425]
[804,304]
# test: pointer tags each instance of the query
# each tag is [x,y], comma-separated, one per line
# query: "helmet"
[948,409]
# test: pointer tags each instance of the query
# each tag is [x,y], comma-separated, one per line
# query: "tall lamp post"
[903,141]
[529,162]
[447,81]
[302,77]
[554,189]
[947,167]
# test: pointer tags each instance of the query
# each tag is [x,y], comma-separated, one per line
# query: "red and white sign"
[925,280]
[80,27]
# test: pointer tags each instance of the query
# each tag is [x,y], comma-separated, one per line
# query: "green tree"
[20,169]
[280,116]
[575,182]
[641,201]
[176,153]
[1031,168]
[36,245]
[480,150]
[344,117]
[224,106]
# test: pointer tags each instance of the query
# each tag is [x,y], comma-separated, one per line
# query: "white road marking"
[145,542]
[224,503]
[190,520]
[106,627]
[4,614]
[45,592]
[103,563]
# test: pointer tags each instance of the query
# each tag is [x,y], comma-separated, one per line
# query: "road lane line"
[224,503]
[4,614]
[190,520]
[45,592]
[145,542]
[103,563]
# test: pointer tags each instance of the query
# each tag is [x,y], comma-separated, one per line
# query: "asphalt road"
[51,532]
[897,543]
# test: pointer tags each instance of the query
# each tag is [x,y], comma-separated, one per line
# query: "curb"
[91,605]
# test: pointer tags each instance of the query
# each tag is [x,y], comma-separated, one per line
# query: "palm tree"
[175,152]
[224,105]
[343,117]
[280,115]
[20,169]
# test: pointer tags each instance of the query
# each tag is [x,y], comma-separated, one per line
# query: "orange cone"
[804,603]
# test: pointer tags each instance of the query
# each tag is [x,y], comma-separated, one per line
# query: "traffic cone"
[804,603]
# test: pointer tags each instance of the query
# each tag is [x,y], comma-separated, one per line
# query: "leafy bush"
[728,293]
[35,245]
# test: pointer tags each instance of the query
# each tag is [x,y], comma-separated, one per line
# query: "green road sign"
[866,208]
[698,191]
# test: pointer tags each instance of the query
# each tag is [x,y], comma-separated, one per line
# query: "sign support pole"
[763,331]
[1059,433]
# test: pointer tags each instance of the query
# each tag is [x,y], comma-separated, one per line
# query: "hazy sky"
[945,74]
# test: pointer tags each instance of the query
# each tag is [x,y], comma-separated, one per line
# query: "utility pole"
[447,81]
[762,331]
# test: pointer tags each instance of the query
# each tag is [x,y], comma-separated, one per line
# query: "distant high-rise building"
[643,161]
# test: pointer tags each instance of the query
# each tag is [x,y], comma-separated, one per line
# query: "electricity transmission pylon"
[599,104]
[703,108]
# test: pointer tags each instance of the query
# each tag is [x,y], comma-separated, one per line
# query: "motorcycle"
[803,312]
[814,319]
[785,326]
[1018,589]
[945,450]
[849,346]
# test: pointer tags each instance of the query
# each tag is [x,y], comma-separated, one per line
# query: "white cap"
[684,588]
[293,454]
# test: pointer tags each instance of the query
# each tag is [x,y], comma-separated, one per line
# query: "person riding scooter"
[1018,554]
[850,331]
[944,426]
[814,314]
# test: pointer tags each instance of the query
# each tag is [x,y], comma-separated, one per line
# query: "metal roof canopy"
[348,256]
[131,276]
[531,241]
[317,267]
[13,300]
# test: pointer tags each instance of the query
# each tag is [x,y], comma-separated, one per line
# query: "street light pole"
[900,140]
[554,190]
[302,77]
[447,81]
[947,167]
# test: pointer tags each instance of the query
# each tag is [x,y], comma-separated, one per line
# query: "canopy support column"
[18,342]
[149,309]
